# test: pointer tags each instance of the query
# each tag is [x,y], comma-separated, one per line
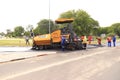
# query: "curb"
[25,57]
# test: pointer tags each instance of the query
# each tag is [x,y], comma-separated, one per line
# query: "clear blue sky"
[23,12]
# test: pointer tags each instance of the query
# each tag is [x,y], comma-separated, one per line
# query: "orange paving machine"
[53,40]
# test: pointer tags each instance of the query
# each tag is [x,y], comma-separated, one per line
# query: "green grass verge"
[14,42]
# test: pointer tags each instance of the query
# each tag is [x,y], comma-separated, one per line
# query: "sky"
[24,12]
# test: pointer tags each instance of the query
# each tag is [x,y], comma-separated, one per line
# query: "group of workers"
[110,40]
[88,40]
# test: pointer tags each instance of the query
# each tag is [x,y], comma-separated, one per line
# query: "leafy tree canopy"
[83,23]
[43,27]
[116,28]
[18,31]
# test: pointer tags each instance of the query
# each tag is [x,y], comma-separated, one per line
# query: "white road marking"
[52,65]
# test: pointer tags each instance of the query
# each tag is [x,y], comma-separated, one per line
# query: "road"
[24,49]
[92,64]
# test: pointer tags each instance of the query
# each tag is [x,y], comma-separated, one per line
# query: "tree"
[9,33]
[116,28]
[36,31]
[68,14]
[18,31]
[2,34]
[29,27]
[29,30]
[83,23]
[43,27]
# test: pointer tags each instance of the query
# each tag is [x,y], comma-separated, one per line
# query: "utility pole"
[49,17]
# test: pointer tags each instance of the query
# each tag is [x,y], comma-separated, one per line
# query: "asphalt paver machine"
[53,40]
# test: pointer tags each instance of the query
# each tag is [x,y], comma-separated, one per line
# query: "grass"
[14,42]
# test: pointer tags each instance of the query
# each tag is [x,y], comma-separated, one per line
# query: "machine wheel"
[84,46]
[34,47]
[80,45]
[37,47]
[73,48]
[41,47]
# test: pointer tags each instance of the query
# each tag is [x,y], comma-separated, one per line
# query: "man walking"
[114,40]
[27,40]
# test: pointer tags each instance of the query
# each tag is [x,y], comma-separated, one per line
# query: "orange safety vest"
[109,38]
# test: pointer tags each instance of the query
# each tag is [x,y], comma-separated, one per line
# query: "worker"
[89,39]
[109,41]
[63,43]
[82,37]
[27,40]
[114,40]
[84,41]
[99,40]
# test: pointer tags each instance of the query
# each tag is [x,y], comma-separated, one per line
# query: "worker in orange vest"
[109,41]
[90,39]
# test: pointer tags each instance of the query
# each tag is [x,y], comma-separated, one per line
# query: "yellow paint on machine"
[56,36]
[44,39]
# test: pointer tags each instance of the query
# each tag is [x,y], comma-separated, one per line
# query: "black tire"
[73,48]
[41,47]
[84,46]
[79,46]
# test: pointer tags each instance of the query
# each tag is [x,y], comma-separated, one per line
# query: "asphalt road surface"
[14,49]
[92,64]
[27,49]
